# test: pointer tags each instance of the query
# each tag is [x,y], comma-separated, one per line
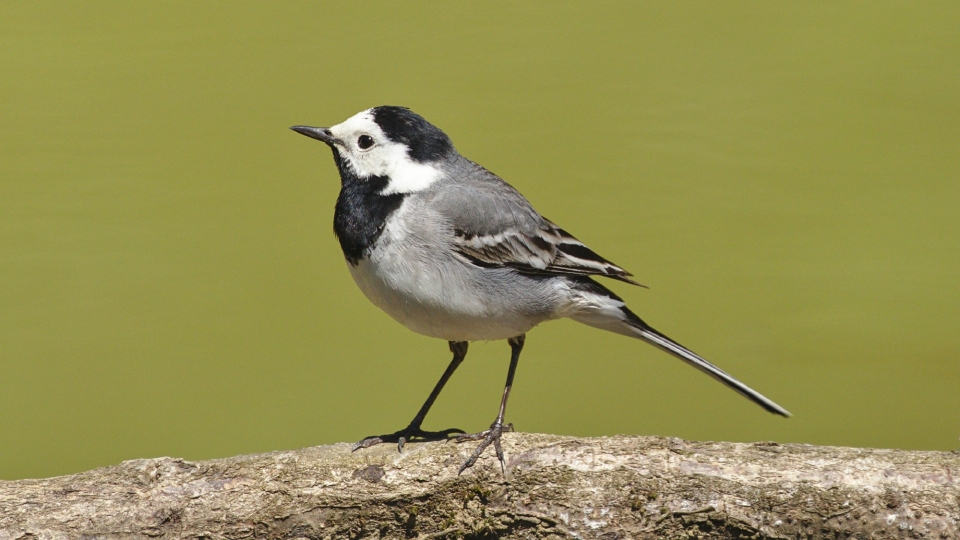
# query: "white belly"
[436,303]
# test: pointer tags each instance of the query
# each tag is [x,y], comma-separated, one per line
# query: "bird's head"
[388,142]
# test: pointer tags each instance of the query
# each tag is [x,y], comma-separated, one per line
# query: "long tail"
[607,311]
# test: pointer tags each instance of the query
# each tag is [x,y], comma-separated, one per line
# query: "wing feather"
[548,250]
[495,226]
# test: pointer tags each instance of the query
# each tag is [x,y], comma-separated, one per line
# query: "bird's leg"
[497,428]
[413,431]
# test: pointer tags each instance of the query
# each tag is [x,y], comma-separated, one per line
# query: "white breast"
[421,284]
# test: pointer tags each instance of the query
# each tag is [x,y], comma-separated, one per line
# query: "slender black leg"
[497,428]
[413,431]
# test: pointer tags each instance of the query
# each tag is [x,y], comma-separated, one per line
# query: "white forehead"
[362,122]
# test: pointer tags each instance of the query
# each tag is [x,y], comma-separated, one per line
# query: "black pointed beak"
[318,133]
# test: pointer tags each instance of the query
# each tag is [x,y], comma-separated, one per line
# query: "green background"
[784,176]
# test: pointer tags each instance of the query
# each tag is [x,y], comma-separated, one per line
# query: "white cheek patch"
[406,175]
[387,158]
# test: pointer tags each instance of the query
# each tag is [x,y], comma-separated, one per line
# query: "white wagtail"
[451,251]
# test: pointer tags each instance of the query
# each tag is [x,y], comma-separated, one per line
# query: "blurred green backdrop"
[785,177]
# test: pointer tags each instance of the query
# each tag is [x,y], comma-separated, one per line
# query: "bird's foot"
[411,433]
[487,437]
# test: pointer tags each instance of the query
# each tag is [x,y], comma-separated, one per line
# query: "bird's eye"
[364,142]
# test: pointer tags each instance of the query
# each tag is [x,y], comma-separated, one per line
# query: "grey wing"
[495,226]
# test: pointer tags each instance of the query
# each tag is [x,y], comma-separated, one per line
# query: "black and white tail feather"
[662,342]
[609,312]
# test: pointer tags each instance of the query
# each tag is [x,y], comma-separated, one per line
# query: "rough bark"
[556,487]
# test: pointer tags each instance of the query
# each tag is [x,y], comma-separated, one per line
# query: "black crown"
[401,125]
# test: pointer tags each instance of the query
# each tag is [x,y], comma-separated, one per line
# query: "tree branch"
[556,487]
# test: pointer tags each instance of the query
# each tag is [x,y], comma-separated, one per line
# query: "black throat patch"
[361,211]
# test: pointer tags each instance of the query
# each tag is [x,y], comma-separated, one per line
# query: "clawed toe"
[410,434]
[486,438]
[366,443]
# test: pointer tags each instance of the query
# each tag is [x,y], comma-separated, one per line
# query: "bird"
[450,250]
